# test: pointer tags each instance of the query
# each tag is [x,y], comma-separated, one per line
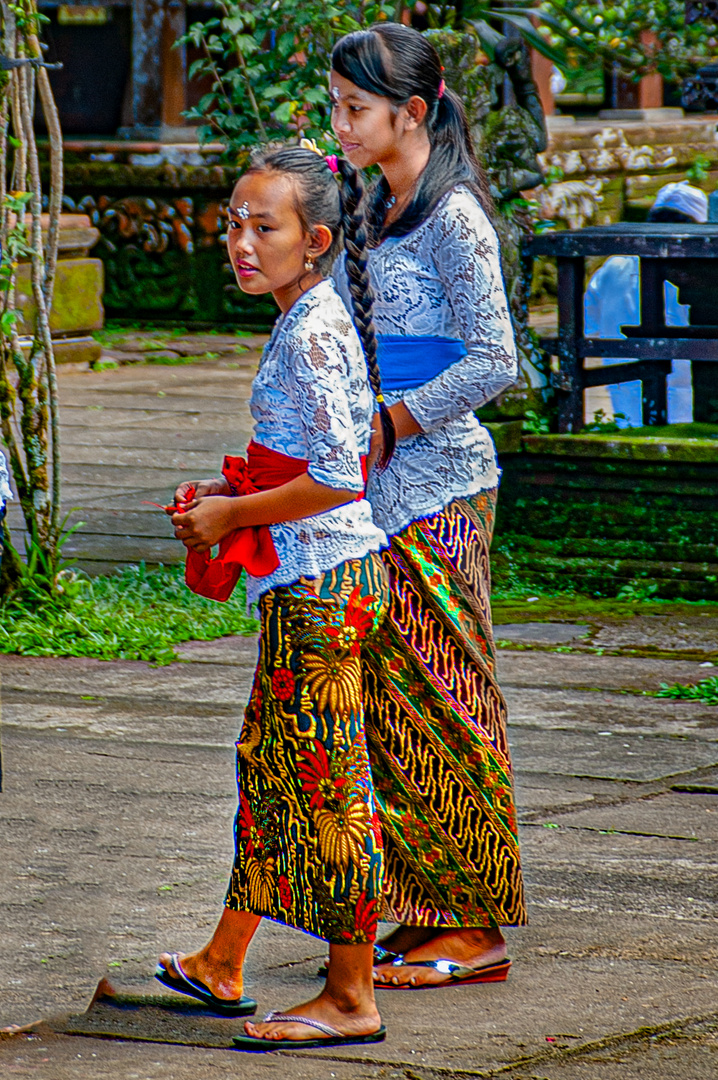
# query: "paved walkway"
[131,433]
[117,817]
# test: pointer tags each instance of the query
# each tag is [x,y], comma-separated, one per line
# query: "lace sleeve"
[466,254]
[318,387]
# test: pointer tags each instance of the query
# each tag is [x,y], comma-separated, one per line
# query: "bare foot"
[219,963]
[403,938]
[470,947]
[219,976]
[361,1019]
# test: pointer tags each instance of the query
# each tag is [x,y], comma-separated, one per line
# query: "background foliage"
[266,62]
[138,614]
[267,65]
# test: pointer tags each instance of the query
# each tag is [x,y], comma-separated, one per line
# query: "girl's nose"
[243,243]
[340,122]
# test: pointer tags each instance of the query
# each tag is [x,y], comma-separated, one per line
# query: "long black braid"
[319,201]
[362,294]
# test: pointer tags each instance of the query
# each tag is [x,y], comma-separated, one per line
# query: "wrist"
[404,423]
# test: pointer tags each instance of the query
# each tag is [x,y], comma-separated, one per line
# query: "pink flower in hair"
[442,88]
[332,162]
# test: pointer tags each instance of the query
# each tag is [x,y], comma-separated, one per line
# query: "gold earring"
[309,263]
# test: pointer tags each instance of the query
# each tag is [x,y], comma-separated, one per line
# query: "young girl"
[308,843]
[436,718]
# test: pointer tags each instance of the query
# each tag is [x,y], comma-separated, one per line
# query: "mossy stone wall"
[596,515]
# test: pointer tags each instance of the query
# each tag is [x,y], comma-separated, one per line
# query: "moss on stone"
[624,447]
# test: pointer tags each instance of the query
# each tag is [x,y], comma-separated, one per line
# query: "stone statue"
[508,138]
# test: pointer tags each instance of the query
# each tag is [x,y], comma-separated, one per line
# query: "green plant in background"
[706,691]
[267,63]
[534,424]
[138,614]
[699,170]
[603,424]
[639,37]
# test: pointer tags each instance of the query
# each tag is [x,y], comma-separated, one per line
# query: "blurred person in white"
[5,494]
[613,300]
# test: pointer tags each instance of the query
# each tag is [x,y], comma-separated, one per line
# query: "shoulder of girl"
[461,201]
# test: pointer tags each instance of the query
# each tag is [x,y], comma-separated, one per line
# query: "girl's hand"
[187,493]
[207,521]
[377,442]
[404,424]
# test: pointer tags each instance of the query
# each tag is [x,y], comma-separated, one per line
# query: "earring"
[308,263]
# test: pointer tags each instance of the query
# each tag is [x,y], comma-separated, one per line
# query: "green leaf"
[286,44]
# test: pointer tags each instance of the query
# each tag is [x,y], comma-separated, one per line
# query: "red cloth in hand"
[252,547]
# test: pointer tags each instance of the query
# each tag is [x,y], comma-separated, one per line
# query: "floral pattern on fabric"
[436,730]
[308,845]
[444,279]
[311,400]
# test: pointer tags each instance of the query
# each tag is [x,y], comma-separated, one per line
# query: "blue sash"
[408,362]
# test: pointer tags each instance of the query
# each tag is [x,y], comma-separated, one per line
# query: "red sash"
[251,547]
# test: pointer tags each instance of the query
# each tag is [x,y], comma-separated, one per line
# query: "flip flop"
[333,1037]
[456,975]
[180,982]
[381,956]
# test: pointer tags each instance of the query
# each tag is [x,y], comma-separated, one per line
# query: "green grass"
[137,614]
[706,691]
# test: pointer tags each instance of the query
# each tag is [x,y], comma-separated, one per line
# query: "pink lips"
[246,270]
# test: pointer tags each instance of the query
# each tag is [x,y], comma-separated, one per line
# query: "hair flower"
[333,162]
[311,144]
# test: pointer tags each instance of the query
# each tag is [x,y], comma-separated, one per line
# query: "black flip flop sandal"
[252,1045]
[180,983]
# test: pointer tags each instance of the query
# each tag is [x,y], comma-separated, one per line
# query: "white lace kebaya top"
[444,279]
[311,400]
[5,492]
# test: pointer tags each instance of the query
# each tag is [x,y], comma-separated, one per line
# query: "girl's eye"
[234,224]
[263,228]
[356,108]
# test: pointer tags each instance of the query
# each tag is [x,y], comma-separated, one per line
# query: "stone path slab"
[133,434]
[117,819]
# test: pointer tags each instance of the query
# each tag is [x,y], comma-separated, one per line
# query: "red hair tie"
[442,88]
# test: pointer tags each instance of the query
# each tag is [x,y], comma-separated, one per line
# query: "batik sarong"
[436,729]
[308,845]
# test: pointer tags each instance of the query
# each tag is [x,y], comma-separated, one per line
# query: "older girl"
[308,843]
[436,718]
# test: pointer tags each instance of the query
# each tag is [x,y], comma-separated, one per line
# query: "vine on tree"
[29,418]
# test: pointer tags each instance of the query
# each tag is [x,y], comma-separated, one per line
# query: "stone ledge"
[643,448]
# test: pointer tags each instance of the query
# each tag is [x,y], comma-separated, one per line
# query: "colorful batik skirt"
[436,729]
[308,844]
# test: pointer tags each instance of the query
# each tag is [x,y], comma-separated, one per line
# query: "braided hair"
[319,200]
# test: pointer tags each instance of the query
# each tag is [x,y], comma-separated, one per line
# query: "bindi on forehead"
[353,94]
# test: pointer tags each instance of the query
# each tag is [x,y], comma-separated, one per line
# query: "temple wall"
[610,170]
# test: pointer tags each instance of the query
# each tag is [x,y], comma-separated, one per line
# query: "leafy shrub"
[137,614]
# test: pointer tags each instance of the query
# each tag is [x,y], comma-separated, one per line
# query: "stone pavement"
[132,433]
[117,815]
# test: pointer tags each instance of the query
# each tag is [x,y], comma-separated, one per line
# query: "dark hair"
[668,214]
[319,200]
[397,62]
